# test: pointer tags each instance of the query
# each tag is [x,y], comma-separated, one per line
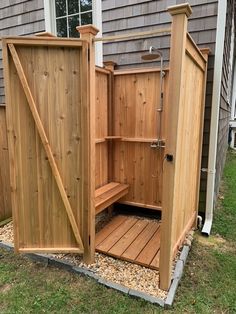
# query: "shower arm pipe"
[161,82]
[153,54]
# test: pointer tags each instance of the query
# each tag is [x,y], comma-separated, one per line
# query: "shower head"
[152,54]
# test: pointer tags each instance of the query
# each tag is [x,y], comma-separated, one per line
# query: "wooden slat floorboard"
[148,253]
[132,239]
[110,227]
[155,261]
[141,241]
[115,236]
[119,248]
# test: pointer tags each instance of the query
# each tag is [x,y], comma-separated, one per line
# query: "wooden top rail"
[129,36]
[139,71]
[102,70]
[43,41]
[195,53]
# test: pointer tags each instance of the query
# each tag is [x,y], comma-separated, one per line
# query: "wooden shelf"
[129,139]
[113,137]
[139,139]
[100,140]
[109,194]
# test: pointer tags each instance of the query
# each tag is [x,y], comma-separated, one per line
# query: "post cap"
[87,29]
[183,8]
[110,64]
[205,51]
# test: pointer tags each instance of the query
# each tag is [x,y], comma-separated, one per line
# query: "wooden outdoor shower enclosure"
[79,139]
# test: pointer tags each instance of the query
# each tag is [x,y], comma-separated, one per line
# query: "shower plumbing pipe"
[158,143]
[160,110]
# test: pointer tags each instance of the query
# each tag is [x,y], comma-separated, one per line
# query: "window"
[62,17]
[70,14]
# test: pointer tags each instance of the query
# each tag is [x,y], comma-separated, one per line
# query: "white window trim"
[97,21]
[50,16]
[50,24]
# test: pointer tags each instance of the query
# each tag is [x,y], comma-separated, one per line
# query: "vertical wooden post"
[180,14]
[110,65]
[87,33]
[11,143]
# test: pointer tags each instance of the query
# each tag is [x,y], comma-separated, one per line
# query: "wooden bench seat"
[109,194]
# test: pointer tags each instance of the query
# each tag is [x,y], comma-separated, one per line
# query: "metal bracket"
[208,171]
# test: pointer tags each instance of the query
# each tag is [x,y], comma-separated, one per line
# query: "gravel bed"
[130,275]
[121,272]
[6,233]
[102,219]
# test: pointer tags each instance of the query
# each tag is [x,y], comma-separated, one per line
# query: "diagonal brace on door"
[45,142]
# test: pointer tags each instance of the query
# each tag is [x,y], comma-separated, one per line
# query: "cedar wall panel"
[124,16]
[101,131]
[135,120]
[5,193]
[19,17]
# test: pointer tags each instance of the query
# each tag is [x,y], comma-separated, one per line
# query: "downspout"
[233,110]
[215,110]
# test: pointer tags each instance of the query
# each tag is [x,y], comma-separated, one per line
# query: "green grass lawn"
[208,285]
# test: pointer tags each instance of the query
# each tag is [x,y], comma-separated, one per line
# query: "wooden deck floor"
[132,239]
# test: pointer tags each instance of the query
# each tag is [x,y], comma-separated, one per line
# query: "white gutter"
[219,50]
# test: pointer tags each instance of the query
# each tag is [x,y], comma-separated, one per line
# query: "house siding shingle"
[120,17]
[19,17]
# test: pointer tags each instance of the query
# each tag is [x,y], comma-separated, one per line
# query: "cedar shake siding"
[124,16]
[19,17]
